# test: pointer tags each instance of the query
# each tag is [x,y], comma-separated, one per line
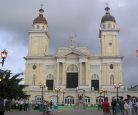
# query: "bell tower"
[109,35]
[38,36]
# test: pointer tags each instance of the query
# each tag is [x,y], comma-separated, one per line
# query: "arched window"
[69,100]
[50,81]
[95,82]
[87,100]
[100,99]
[37,26]
[72,68]
[33,80]
[50,77]
[109,25]
[95,77]
[112,80]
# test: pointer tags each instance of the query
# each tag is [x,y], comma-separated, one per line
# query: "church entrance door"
[95,84]
[72,80]
[49,84]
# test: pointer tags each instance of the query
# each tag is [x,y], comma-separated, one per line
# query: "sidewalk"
[57,112]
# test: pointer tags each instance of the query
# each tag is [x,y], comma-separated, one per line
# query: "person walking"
[106,107]
[2,108]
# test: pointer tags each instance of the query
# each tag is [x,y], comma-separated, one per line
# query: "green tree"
[10,87]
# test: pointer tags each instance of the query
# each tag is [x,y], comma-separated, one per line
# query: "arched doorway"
[72,76]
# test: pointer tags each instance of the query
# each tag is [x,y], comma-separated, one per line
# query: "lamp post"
[100,92]
[57,91]
[104,91]
[3,56]
[117,86]
[42,86]
[63,96]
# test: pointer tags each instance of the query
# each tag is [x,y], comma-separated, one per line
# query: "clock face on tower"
[34,66]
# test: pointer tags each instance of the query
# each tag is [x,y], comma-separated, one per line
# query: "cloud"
[66,17]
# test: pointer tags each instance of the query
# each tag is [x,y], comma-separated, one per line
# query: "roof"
[107,16]
[40,19]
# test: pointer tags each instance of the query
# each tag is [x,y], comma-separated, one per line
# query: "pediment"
[74,53]
[68,52]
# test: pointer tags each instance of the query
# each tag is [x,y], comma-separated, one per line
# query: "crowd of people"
[47,108]
[120,106]
[23,105]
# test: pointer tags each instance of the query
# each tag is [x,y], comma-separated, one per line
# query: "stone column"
[86,73]
[80,72]
[64,75]
[57,77]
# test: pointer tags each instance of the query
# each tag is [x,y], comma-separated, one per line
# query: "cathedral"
[74,73]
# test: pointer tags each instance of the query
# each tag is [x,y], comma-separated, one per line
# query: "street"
[58,112]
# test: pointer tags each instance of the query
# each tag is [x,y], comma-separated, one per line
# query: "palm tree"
[10,87]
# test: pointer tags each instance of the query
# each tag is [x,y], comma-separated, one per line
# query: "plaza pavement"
[57,112]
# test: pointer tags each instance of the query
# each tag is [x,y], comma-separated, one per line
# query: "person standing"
[136,105]
[51,104]
[127,108]
[2,108]
[113,105]
[121,105]
[106,106]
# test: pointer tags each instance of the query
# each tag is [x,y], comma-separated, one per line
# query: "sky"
[67,17]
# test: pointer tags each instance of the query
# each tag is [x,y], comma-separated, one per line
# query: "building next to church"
[75,70]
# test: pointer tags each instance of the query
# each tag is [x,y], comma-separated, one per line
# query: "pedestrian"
[113,105]
[2,108]
[130,102]
[99,105]
[127,108]
[121,105]
[117,107]
[26,102]
[47,110]
[51,104]
[136,107]
[106,107]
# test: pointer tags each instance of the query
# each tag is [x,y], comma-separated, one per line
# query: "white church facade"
[75,70]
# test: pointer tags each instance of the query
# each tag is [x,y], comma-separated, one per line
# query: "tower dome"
[40,18]
[107,16]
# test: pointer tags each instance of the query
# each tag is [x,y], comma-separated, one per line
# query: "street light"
[100,92]
[104,91]
[42,86]
[57,90]
[117,86]
[3,56]
[63,92]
